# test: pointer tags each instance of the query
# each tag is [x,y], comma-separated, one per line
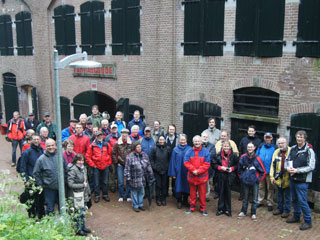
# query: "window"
[259,28]
[256,101]
[92,27]
[203,27]
[125,27]
[24,33]
[65,30]
[308,37]
[6,40]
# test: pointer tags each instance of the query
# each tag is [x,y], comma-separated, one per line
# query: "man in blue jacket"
[28,161]
[137,121]
[147,142]
[265,152]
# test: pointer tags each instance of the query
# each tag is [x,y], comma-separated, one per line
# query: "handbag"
[78,199]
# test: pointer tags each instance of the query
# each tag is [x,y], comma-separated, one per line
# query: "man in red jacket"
[99,159]
[197,161]
[81,141]
[16,132]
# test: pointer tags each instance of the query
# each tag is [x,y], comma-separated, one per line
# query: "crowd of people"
[128,157]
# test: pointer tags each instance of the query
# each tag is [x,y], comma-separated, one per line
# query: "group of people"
[98,154]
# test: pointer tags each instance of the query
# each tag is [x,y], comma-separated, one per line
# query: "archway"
[83,102]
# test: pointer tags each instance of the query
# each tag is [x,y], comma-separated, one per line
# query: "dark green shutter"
[245,27]
[65,29]
[308,37]
[118,27]
[271,25]
[11,101]
[133,27]
[86,27]
[24,33]
[6,38]
[213,28]
[192,19]
[98,28]
[92,27]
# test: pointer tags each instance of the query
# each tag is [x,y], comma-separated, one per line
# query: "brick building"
[244,62]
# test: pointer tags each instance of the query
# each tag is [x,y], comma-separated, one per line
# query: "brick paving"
[113,220]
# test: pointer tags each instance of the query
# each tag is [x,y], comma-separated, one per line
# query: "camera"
[278,175]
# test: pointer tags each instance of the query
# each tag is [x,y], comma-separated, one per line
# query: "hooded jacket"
[251,169]
[265,152]
[81,143]
[147,144]
[46,170]
[76,178]
[99,157]
[28,160]
[137,168]
[96,119]
[197,159]
[177,168]
[160,158]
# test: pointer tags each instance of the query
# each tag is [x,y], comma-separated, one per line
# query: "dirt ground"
[113,220]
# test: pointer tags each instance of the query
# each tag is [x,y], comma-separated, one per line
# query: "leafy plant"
[15,223]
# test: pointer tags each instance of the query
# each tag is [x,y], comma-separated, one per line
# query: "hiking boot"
[179,205]
[164,202]
[142,208]
[305,226]
[113,189]
[228,213]
[106,198]
[285,215]
[81,233]
[277,212]
[270,208]
[218,213]
[136,209]
[292,220]
[158,203]
[96,199]
[86,230]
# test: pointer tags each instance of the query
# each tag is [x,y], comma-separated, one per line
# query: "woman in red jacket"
[99,159]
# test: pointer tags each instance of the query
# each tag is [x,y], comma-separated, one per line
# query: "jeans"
[299,193]
[284,200]
[120,171]
[101,178]
[137,195]
[51,197]
[255,193]
[14,149]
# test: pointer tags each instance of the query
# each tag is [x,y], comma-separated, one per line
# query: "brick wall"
[161,79]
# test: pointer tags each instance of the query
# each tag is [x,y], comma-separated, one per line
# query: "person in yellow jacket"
[280,177]
[225,137]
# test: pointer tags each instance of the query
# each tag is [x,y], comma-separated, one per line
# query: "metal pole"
[62,203]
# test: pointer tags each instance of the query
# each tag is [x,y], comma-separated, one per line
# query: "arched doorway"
[195,117]
[83,102]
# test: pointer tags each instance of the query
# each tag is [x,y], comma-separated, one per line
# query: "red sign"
[106,71]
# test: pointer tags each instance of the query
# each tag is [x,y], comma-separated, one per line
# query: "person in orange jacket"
[99,159]
[15,134]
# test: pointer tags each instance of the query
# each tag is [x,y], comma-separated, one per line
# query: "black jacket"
[160,158]
[31,124]
[244,142]
[233,162]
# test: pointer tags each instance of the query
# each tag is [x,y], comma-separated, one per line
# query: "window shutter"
[192,33]
[59,29]
[308,37]
[98,28]
[24,33]
[213,28]
[271,26]
[245,27]
[6,38]
[133,27]
[86,29]
[65,29]
[118,27]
